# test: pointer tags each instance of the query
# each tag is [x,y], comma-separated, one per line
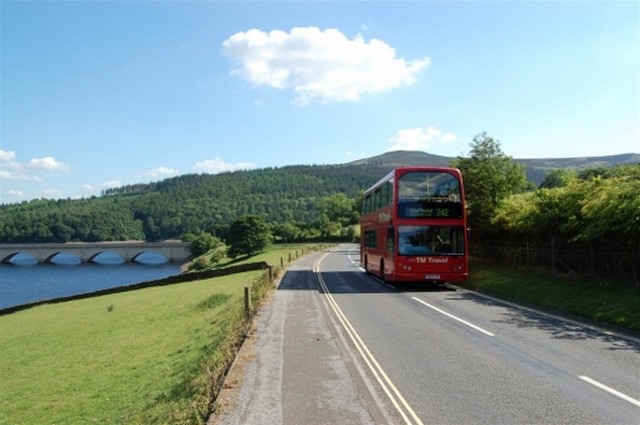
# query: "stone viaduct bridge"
[173,251]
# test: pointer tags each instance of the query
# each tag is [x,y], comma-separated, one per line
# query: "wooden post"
[289,257]
[247,300]
[270,273]
[281,262]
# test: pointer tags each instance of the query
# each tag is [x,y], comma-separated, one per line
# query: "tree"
[338,208]
[489,176]
[202,243]
[287,232]
[248,235]
[558,178]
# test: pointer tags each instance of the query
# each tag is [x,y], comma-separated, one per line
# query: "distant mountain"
[583,162]
[536,168]
[398,158]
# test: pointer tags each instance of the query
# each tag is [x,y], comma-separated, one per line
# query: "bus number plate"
[432,276]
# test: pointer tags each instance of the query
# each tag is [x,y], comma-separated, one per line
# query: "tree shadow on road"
[557,324]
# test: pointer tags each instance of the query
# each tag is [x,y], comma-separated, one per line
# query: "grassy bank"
[134,357]
[618,305]
[154,355]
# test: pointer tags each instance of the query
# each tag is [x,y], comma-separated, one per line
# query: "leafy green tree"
[338,208]
[611,214]
[202,243]
[514,215]
[287,232]
[489,176]
[602,211]
[558,178]
[248,235]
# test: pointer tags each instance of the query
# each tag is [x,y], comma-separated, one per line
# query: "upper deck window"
[429,194]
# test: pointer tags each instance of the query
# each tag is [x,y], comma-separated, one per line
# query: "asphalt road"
[337,346]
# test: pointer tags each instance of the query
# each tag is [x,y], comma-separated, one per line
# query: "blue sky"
[99,94]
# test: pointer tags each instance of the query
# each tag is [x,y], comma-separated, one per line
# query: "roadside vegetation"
[614,304]
[155,355]
[583,222]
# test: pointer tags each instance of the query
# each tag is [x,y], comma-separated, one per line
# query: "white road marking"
[479,329]
[352,260]
[610,390]
[363,270]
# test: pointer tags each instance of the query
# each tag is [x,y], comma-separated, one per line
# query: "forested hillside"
[186,204]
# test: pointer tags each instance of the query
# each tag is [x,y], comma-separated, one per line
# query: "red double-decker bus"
[414,226]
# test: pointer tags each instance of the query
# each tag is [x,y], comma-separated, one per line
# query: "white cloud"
[11,170]
[7,155]
[48,163]
[216,165]
[419,139]
[112,184]
[52,193]
[89,187]
[8,175]
[16,193]
[317,64]
[162,171]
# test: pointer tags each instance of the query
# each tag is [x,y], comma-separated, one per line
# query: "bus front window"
[430,240]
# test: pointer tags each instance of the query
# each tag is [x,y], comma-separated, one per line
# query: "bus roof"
[404,169]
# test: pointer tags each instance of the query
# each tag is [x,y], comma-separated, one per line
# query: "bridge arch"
[6,259]
[50,258]
[136,258]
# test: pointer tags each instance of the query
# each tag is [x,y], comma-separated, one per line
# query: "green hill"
[194,202]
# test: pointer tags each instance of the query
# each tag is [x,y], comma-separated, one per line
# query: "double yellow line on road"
[398,401]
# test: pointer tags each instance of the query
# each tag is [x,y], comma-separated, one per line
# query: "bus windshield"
[429,194]
[431,240]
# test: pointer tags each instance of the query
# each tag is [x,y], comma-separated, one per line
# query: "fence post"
[281,262]
[289,257]
[247,300]
[270,273]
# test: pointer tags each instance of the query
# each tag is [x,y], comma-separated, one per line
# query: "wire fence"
[603,265]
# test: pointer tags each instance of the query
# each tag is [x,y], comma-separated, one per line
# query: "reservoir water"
[25,281]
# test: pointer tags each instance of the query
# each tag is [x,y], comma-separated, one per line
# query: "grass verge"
[155,355]
[617,305]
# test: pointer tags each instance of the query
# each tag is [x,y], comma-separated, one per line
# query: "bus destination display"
[432,210]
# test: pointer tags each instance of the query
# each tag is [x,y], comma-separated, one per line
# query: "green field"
[134,357]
